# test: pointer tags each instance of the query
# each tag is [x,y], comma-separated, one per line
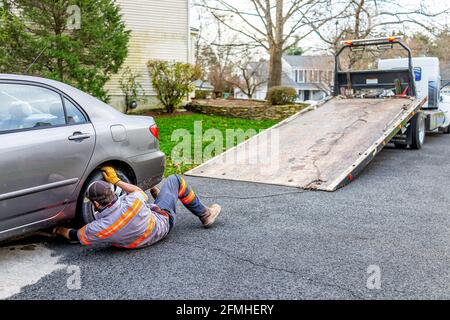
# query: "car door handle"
[78,136]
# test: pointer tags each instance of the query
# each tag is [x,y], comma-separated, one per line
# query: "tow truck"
[324,147]
[428,84]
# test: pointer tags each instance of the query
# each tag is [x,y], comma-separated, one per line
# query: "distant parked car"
[53,140]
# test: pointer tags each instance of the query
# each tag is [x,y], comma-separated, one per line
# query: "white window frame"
[299,76]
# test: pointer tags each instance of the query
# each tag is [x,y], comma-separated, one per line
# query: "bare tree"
[214,56]
[250,76]
[275,25]
[441,46]
[219,66]
[373,18]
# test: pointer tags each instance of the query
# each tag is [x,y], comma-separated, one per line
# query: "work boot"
[155,192]
[211,215]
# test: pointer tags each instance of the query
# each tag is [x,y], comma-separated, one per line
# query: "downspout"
[189,45]
[189,40]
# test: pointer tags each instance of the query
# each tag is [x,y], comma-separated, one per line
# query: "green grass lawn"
[167,125]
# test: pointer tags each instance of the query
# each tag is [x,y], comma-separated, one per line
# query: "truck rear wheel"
[401,146]
[418,131]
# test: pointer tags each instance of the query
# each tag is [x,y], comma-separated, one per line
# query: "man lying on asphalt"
[129,221]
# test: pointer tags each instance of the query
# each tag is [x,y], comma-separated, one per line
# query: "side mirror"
[133,105]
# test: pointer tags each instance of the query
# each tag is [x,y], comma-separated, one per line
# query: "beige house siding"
[159,30]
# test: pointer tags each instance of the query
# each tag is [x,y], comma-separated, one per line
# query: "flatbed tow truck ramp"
[311,156]
[325,147]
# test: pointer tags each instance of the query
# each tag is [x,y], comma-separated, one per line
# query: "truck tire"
[447,130]
[85,212]
[418,131]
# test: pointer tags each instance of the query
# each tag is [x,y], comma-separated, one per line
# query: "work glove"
[110,175]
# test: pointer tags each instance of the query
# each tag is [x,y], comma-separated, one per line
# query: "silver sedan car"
[53,140]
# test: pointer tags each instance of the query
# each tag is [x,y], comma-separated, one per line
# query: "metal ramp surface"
[320,148]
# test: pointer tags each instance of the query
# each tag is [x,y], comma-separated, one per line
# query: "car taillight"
[154,131]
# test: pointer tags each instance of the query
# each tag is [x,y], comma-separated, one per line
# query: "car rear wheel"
[85,210]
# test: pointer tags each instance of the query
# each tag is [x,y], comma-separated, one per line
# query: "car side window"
[28,107]
[74,115]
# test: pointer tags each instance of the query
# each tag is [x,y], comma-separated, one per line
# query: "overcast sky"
[313,42]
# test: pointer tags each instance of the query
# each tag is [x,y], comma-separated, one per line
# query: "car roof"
[93,106]
[53,83]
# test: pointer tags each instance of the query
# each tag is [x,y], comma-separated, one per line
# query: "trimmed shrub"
[173,81]
[203,94]
[278,96]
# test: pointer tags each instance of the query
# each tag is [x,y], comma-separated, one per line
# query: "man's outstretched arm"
[128,188]
[69,234]
[86,235]
[110,176]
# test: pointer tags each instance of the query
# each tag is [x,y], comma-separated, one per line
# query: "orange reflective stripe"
[122,221]
[183,187]
[139,240]
[83,237]
[188,199]
[144,195]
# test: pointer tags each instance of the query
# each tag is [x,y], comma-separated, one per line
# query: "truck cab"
[428,85]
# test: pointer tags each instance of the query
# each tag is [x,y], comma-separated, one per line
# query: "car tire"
[85,212]
[418,131]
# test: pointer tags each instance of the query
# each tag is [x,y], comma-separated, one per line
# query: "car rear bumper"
[149,168]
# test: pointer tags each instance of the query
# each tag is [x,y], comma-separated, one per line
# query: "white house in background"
[445,76]
[159,30]
[311,76]
[445,90]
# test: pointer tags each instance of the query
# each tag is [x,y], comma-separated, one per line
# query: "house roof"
[287,81]
[263,74]
[310,62]
[203,85]
[300,62]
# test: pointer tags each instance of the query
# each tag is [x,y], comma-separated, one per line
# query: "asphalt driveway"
[281,243]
